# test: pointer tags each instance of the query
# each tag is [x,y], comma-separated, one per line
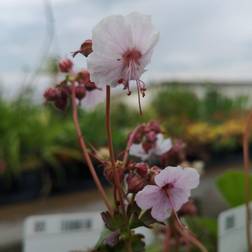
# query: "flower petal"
[179,197]
[111,36]
[162,209]
[103,70]
[144,35]
[162,145]
[189,179]
[138,151]
[169,175]
[148,197]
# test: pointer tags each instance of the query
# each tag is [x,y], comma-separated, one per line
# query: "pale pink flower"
[122,47]
[172,190]
[160,146]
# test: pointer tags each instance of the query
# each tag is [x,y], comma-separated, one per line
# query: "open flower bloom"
[160,146]
[122,47]
[172,190]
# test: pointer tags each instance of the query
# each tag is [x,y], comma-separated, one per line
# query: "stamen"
[138,95]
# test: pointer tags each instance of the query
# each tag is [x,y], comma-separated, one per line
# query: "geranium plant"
[147,190]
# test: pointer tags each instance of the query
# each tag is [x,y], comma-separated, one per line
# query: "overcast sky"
[198,38]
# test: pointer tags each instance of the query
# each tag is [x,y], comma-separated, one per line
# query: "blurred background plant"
[36,137]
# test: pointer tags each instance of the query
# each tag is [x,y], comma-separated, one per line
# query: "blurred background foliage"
[35,134]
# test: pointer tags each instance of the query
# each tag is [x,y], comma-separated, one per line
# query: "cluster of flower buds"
[61,93]
[137,176]
[148,141]
[147,132]
[58,96]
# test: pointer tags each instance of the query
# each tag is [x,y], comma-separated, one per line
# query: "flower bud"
[109,171]
[51,94]
[83,77]
[141,169]
[153,126]
[90,86]
[80,92]
[135,183]
[151,136]
[86,47]
[65,65]
[138,135]
[188,208]
[147,146]
[61,103]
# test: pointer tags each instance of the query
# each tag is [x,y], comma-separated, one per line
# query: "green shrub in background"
[183,103]
[177,101]
[231,186]
[216,107]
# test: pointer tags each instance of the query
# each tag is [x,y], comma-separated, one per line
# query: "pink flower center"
[131,56]
[131,64]
[167,188]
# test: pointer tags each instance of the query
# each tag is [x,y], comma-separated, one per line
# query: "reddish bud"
[151,136]
[90,86]
[141,169]
[109,171]
[83,77]
[135,183]
[85,49]
[80,92]
[65,65]
[51,94]
[147,146]
[188,208]
[153,126]
[61,103]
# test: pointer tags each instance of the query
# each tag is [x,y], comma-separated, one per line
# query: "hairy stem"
[183,230]
[85,153]
[117,184]
[246,161]
[166,244]
[130,142]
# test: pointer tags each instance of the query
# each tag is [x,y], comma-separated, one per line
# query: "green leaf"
[115,222]
[104,234]
[231,186]
[206,230]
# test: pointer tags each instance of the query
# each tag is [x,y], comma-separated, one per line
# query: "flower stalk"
[84,150]
[117,185]
[129,143]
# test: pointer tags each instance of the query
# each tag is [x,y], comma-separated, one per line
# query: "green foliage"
[178,102]
[216,107]
[182,104]
[206,230]
[231,186]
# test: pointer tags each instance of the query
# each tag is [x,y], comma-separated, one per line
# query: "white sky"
[198,38]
